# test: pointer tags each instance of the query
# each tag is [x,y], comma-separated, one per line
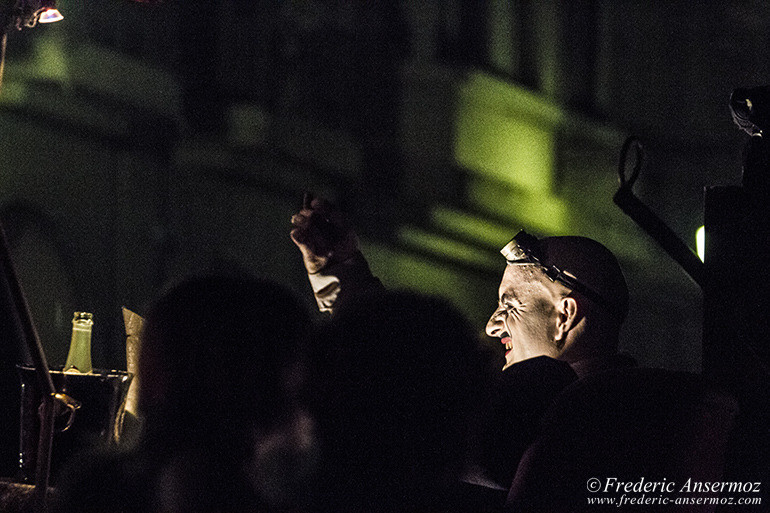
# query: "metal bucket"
[97,423]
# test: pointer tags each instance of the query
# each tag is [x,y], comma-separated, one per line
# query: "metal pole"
[41,368]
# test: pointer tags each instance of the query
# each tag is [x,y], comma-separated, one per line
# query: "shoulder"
[543,372]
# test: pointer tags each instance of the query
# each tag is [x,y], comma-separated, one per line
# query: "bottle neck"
[79,357]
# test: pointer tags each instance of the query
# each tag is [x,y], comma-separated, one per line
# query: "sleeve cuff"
[342,278]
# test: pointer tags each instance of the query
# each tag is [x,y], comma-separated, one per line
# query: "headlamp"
[524,249]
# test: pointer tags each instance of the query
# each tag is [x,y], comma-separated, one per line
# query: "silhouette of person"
[561,303]
[220,374]
[396,376]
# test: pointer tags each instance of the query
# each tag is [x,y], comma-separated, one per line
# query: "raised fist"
[322,234]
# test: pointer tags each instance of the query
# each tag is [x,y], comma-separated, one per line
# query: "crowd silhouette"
[388,404]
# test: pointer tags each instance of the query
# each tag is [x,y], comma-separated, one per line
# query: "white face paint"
[526,316]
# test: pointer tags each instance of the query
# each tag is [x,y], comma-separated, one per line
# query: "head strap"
[524,249]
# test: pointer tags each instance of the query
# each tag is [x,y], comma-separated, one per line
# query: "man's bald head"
[592,265]
[563,297]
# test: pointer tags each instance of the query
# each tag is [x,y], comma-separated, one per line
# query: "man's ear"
[568,314]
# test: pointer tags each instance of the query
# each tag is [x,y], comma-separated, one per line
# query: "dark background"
[143,142]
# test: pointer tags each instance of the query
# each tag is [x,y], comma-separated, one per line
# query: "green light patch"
[510,149]
[543,213]
[446,248]
[470,226]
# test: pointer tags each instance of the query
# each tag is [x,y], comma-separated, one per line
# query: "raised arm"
[336,268]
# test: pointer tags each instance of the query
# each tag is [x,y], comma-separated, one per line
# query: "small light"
[700,243]
[50,16]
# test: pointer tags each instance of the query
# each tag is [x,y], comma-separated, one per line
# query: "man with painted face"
[561,303]
[562,297]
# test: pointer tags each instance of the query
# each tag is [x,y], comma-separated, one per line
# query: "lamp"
[50,16]
[27,13]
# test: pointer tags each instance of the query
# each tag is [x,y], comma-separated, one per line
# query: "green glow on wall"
[402,270]
[542,213]
[447,248]
[471,227]
[51,57]
[510,149]
[14,93]
[506,137]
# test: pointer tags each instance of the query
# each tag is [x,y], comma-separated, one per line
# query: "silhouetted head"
[218,353]
[395,380]
[563,297]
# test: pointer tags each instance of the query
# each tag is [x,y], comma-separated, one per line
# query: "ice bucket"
[97,423]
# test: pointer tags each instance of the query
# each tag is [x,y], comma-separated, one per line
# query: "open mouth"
[508,343]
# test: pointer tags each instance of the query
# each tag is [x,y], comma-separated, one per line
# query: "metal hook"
[71,405]
[64,405]
[634,142]
[647,220]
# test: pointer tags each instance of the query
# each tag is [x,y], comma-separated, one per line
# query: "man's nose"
[496,324]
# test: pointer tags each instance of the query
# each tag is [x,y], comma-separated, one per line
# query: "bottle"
[79,357]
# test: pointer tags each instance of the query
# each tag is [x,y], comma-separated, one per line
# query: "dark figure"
[630,426]
[395,380]
[561,297]
[561,303]
[219,378]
